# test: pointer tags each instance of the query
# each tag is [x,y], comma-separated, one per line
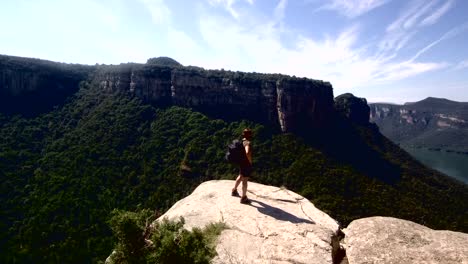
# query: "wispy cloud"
[254,43]
[394,41]
[419,13]
[280,9]
[461,65]
[448,35]
[229,5]
[434,17]
[160,12]
[352,8]
[414,10]
[415,15]
[398,71]
[257,47]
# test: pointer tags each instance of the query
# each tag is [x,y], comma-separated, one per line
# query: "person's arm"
[248,153]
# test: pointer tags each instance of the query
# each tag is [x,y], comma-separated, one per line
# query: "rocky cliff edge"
[280,226]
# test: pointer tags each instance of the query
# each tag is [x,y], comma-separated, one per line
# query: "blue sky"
[384,50]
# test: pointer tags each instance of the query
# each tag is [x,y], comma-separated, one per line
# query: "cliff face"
[285,102]
[354,108]
[433,123]
[290,104]
[29,86]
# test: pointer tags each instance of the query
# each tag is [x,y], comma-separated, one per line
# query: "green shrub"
[164,242]
[129,229]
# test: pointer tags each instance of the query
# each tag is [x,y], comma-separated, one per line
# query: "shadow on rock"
[278,214]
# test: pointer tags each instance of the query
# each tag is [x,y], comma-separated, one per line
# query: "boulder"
[279,226]
[392,240]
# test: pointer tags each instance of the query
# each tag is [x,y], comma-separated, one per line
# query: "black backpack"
[236,152]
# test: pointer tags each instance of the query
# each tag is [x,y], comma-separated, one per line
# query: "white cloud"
[398,71]
[415,15]
[184,48]
[448,35]
[394,41]
[461,65]
[116,52]
[353,8]
[229,5]
[160,12]
[280,9]
[413,19]
[434,17]
[411,13]
[418,13]
[257,47]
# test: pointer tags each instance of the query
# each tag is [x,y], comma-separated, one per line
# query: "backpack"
[236,152]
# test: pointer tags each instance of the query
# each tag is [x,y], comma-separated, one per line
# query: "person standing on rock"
[245,171]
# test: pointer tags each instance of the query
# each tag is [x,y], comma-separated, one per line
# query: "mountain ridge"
[435,101]
[435,123]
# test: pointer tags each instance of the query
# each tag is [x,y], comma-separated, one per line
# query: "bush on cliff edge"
[164,242]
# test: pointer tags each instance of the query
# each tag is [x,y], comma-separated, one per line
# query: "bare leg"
[244,186]
[238,181]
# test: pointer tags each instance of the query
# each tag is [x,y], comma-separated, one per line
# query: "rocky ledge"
[280,226]
[392,240]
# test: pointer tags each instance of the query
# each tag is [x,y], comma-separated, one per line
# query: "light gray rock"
[279,226]
[392,240]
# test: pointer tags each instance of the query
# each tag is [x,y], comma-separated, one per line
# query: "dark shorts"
[245,171]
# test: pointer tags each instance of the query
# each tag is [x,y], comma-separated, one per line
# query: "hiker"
[245,170]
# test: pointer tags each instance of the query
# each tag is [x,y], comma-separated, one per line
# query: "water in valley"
[452,164]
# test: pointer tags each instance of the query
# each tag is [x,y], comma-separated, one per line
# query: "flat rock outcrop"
[279,226]
[392,240]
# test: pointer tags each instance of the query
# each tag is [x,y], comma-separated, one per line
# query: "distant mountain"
[30,86]
[435,123]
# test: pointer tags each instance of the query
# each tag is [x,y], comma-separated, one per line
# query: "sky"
[384,50]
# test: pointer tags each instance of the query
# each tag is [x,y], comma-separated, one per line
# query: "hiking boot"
[245,200]
[235,193]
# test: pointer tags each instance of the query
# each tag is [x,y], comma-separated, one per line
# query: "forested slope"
[63,172]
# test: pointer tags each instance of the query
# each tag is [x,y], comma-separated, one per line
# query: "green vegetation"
[64,172]
[164,61]
[164,242]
